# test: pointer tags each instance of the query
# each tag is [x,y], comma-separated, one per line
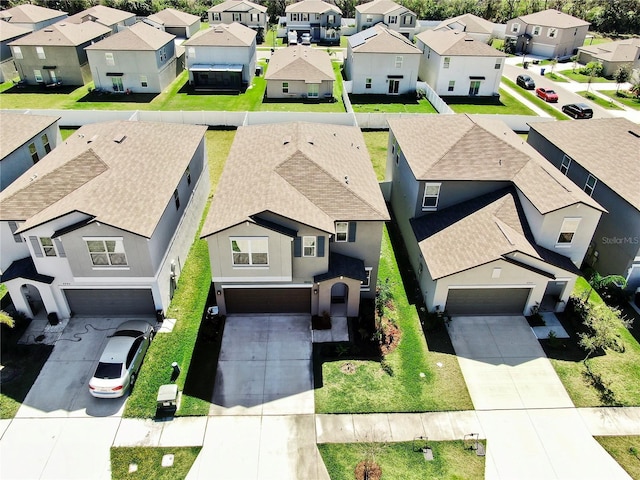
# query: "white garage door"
[477,301]
[110,301]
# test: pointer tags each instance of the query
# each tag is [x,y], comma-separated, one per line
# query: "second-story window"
[566,163]
[17,53]
[216,16]
[40,53]
[106,251]
[108,58]
[393,19]
[342,231]
[399,61]
[308,246]
[33,152]
[47,247]
[568,231]
[536,30]
[431,196]
[237,17]
[590,184]
[553,33]
[447,62]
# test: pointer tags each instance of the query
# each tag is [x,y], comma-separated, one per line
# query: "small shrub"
[554,341]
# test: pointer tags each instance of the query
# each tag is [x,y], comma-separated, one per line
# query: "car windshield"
[550,91]
[127,333]
[108,370]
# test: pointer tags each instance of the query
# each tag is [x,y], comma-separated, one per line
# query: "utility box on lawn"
[167,401]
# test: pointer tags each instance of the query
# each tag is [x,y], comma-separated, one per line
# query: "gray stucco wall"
[297,89]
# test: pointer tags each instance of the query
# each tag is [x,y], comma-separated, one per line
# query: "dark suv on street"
[578,110]
[525,81]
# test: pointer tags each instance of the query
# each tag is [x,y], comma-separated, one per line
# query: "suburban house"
[55,55]
[175,22]
[109,17]
[104,224]
[247,13]
[612,55]
[476,27]
[302,233]
[548,33]
[24,140]
[381,61]
[602,156]
[31,17]
[222,57]
[300,72]
[490,227]
[139,59]
[393,15]
[8,33]
[320,19]
[454,63]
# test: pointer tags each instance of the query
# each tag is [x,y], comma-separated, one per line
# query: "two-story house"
[396,17]
[139,59]
[476,27]
[247,13]
[56,54]
[32,17]
[112,18]
[103,225]
[490,227]
[381,61]
[222,57]
[320,19]
[8,33]
[300,72]
[548,33]
[454,64]
[302,232]
[175,22]
[24,140]
[602,156]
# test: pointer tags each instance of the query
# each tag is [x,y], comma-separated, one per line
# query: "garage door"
[268,300]
[110,302]
[476,301]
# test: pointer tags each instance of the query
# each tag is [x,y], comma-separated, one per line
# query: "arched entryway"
[33,300]
[339,298]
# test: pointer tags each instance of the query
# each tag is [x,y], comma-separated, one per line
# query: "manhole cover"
[348,368]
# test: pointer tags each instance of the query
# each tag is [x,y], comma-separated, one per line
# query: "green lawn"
[578,77]
[418,383]
[505,105]
[148,462]
[67,132]
[558,115]
[399,461]
[556,78]
[596,40]
[622,370]
[625,99]
[599,101]
[377,142]
[625,450]
[390,104]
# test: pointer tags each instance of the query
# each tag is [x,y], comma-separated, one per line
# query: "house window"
[331,19]
[45,143]
[398,151]
[191,52]
[308,246]
[254,17]
[163,54]
[498,64]
[536,30]
[285,87]
[407,20]
[237,17]
[108,58]
[38,76]
[568,231]
[366,284]
[33,152]
[116,84]
[47,247]
[187,173]
[566,163]
[515,28]
[317,16]
[447,62]
[367,83]
[553,33]
[176,198]
[143,81]
[294,17]
[398,61]
[496,272]
[393,19]
[17,53]
[452,85]
[16,236]
[250,250]
[369,19]
[342,231]
[304,17]
[313,90]
[431,194]
[40,53]
[106,251]
[216,16]
[590,185]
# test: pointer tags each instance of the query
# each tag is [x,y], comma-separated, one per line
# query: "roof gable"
[300,63]
[139,36]
[18,128]
[64,34]
[457,43]
[102,14]
[29,13]
[381,7]
[312,6]
[469,23]
[379,39]
[9,31]
[553,18]
[223,35]
[237,6]
[174,18]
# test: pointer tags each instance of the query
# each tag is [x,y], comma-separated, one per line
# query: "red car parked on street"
[546,94]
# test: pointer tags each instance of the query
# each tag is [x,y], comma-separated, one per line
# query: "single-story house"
[300,72]
[32,17]
[109,17]
[175,22]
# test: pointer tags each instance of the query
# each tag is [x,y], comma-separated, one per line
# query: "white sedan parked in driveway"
[121,359]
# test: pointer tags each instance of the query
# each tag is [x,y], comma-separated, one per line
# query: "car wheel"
[132,381]
[152,335]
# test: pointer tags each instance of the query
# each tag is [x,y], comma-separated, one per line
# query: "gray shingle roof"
[312,6]
[465,148]
[453,42]
[553,18]
[609,148]
[63,34]
[237,6]
[223,35]
[379,39]
[9,31]
[139,36]
[104,15]
[17,128]
[170,17]
[126,184]
[297,171]
[621,51]
[28,13]
[380,7]
[471,23]
[300,63]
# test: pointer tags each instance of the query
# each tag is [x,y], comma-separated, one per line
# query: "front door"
[474,87]
[394,86]
[117,84]
[313,90]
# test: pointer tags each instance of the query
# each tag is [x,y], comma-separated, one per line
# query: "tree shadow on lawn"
[96,96]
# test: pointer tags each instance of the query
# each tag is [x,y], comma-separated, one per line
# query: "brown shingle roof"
[621,51]
[28,13]
[136,37]
[237,6]
[126,183]
[453,42]
[553,18]
[311,173]
[10,31]
[379,7]
[170,17]
[379,39]
[17,128]
[300,63]
[223,35]
[63,34]
[461,147]
[609,148]
[312,6]
[104,15]
[471,23]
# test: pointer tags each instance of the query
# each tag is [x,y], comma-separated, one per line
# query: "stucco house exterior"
[247,13]
[222,57]
[139,59]
[302,233]
[476,27]
[612,55]
[8,33]
[175,22]
[300,72]
[32,17]
[104,224]
[112,18]
[396,17]
[24,140]
[381,61]
[489,226]
[602,157]
[320,19]
[455,64]
[56,54]
[548,33]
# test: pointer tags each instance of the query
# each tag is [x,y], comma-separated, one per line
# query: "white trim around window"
[590,184]
[48,248]
[309,244]
[342,231]
[568,231]
[565,165]
[431,196]
[106,251]
[249,251]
